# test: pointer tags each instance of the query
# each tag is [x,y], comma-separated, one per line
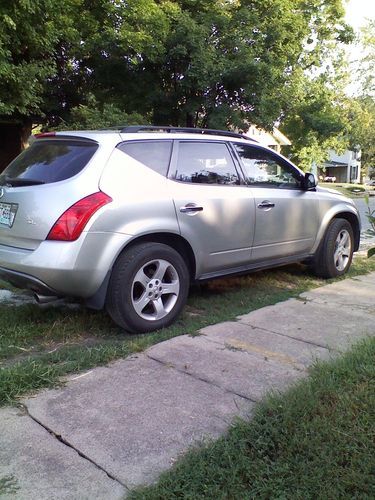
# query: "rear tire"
[148,287]
[336,250]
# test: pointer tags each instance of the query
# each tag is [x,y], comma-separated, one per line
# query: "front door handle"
[191,208]
[266,204]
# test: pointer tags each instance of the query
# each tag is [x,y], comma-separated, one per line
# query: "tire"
[336,250]
[148,287]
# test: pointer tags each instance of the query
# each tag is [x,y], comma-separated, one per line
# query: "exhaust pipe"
[45,299]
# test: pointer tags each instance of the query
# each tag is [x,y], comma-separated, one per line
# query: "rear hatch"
[40,184]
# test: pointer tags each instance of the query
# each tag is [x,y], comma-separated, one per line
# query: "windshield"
[47,161]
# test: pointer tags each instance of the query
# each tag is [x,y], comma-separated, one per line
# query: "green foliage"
[8,485]
[29,35]
[366,67]
[318,119]
[181,62]
[99,116]
[363,129]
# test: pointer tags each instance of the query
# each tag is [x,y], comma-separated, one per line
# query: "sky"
[358,10]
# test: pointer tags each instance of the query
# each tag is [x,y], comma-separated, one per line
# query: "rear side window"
[47,161]
[153,154]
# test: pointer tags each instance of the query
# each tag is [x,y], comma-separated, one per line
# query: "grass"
[8,485]
[39,345]
[315,441]
[349,190]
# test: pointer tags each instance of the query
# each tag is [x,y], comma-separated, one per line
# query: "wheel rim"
[343,247]
[155,289]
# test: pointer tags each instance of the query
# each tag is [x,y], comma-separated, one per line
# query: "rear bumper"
[64,269]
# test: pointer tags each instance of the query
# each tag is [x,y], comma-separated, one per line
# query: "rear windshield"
[47,161]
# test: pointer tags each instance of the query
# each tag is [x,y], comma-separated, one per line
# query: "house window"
[353,173]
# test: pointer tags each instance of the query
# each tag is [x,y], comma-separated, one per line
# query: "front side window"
[264,169]
[153,154]
[205,163]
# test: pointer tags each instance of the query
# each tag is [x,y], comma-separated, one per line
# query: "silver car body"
[231,233]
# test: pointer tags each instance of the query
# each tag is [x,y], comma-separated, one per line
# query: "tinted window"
[205,163]
[264,169]
[153,154]
[48,161]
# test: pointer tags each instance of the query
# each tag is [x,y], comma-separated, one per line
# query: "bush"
[356,189]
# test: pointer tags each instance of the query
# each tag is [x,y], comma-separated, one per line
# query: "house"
[273,139]
[345,167]
[342,168]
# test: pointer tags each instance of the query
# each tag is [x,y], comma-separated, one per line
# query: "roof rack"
[133,129]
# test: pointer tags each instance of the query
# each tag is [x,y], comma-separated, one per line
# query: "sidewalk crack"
[315,344]
[69,445]
[169,365]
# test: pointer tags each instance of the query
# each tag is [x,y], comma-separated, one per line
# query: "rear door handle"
[190,208]
[266,204]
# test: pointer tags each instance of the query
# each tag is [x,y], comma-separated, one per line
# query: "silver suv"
[126,219]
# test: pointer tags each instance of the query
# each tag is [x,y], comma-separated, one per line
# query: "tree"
[319,120]
[363,109]
[229,61]
[216,63]
[29,35]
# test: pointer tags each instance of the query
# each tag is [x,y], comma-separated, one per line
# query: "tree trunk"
[13,140]
[190,122]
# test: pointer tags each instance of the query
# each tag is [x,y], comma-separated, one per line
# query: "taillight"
[72,222]
[44,134]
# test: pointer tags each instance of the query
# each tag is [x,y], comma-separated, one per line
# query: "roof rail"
[133,129]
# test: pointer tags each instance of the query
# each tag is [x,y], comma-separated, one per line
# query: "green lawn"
[38,345]
[349,190]
[316,441]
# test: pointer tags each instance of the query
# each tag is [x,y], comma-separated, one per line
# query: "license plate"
[8,213]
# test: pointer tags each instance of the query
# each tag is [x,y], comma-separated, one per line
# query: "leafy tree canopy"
[215,63]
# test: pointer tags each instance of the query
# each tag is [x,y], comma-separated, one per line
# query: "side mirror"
[310,181]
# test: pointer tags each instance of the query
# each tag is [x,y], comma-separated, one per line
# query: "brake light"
[72,222]
[45,134]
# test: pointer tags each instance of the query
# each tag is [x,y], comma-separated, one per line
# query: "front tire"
[336,251]
[148,287]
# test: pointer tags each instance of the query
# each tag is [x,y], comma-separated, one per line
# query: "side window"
[153,154]
[264,169]
[205,163]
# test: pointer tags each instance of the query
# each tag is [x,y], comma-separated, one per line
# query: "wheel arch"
[173,240]
[339,212]
[354,222]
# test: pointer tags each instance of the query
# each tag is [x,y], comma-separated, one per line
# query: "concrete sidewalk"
[114,428]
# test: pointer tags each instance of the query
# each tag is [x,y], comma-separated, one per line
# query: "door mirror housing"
[310,181]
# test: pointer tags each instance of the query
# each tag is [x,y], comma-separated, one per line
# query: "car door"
[287,216]
[214,211]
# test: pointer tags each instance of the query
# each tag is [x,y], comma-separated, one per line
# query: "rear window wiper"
[18,181]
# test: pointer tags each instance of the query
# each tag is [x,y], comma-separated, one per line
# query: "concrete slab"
[231,366]
[263,343]
[321,324]
[35,465]
[366,278]
[136,416]
[352,293]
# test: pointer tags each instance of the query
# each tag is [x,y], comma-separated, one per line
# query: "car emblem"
[1,192]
